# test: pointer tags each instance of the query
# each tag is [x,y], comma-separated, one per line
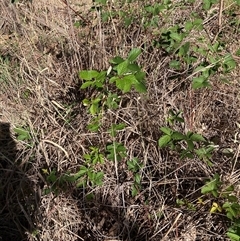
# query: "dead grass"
[41,53]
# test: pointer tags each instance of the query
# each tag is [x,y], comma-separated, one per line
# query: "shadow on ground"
[15,191]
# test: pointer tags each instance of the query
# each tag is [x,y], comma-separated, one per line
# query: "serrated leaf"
[190,145]
[200,82]
[134,67]
[125,83]
[140,87]
[178,136]
[88,74]
[166,130]
[117,60]
[87,84]
[197,137]
[134,53]
[176,36]
[83,170]
[164,140]
[123,67]
[140,76]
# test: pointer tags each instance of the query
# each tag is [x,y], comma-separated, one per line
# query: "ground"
[44,132]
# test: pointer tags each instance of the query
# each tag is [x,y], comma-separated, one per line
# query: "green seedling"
[23,134]
[135,167]
[115,128]
[94,156]
[116,151]
[185,203]
[226,202]
[174,117]
[212,186]
[87,176]
[123,75]
[176,139]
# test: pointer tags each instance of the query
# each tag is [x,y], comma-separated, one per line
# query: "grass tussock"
[44,133]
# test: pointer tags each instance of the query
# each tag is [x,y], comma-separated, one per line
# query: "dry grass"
[41,53]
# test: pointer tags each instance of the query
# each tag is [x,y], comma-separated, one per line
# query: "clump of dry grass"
[41,53]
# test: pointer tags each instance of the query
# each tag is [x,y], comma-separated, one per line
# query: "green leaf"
[231,198]
[238,51]
[115,127]
[175,64]
[188,25]
[140,76]
[164,140]
[83,170]
[178,136]
[186,154]
[140,86]
[176,36]
[200,82]
[22,134]
[166,130]
[94,125]
[207,4]
[125,83]
[198,23]
[233,236]
[98,178]
[88,74]
[229,63]
[134,67]
[137,178]
[114,79]
[197,137]
[94,109]
[183,50]
[133,165]
[190,145]
[212,186]
[123,67]
[134,191]
[81,183]
[134,53]
[117,60]
[87,84]
[101,77]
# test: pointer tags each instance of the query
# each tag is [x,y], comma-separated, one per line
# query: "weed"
[225,201]
[135,166]
[187,145]
[123,74]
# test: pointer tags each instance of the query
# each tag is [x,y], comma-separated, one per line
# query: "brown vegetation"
[41,53]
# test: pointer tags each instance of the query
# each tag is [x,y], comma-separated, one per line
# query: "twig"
[219,19]
[76,12]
